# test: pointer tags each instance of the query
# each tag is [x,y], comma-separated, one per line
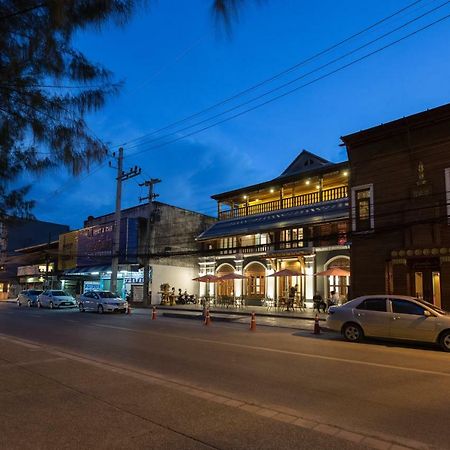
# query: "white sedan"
[55,299]
[392,317]
[102,301]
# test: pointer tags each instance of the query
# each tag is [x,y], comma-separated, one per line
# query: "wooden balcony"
[287,202]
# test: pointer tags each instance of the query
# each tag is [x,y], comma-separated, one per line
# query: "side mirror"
[427,313]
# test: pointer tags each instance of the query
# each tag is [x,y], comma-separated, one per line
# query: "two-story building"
[400,207]
[298,220]
[85,255]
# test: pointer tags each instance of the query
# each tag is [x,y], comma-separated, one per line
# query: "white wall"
[178,277]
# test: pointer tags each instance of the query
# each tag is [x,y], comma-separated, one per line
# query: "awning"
[92,270]
[283,218]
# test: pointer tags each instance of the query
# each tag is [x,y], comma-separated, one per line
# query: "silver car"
[55,299]
[102,301]
[28,297]
[392,317]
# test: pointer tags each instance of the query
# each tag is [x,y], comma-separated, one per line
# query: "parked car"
[102,301]
[28,297]
[55,299]
[392,317]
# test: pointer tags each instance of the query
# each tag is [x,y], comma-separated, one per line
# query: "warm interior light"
[272,191]
[317,186]
[257,200]
[345,173]
[245,197]
[307,182]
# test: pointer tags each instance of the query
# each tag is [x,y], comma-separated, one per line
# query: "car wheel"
[18,303]
[51,305]
[444,340]
[81,307]
[39,304]
[352,332]
[29,303]
[100,309]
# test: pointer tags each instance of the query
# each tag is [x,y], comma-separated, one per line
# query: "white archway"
[225,288]
[255,283]
[338,284]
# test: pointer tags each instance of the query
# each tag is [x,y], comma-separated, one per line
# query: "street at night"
[84,380]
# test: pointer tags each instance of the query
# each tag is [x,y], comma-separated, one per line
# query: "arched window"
[225,288]
[255,284]
[338,284]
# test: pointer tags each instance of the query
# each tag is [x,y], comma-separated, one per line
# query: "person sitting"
[318,302]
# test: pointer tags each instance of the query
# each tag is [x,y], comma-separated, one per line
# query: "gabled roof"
[304,162]
[315,166]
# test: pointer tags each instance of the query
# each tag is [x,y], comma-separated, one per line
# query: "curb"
[237,313]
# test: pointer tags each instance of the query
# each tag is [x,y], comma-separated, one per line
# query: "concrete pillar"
[270,281]
[238,283]
[309,276]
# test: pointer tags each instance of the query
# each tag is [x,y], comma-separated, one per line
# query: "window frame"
[355,190]
[447,192]
[392,300]
[373,310]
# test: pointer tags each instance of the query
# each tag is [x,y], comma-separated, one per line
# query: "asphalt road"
[83,380]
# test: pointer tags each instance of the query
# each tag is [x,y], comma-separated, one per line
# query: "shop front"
[129,280]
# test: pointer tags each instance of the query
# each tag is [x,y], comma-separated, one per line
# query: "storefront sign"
[91,285]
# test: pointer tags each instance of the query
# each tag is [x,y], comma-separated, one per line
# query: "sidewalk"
[262,311]
[296,320]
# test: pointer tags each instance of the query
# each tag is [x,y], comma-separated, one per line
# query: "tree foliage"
[47,87]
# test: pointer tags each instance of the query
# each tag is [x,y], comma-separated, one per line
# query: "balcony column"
[219,209]
[239,263]
[321,188]
[281,197]
[270,282]
[309,277]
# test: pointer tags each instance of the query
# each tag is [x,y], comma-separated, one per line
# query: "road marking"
[30,363]
[287,352]
[367,438]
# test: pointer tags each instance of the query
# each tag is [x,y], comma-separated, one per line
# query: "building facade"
[16,234]
[400,207]
[297,221]
[85,255]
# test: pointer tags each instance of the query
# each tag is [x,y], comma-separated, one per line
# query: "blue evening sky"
[174,62]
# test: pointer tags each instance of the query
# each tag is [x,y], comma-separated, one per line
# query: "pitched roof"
[304,162]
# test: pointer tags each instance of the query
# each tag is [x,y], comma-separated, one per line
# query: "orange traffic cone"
[207,318]
[253,322]
[316,325]
[154,313]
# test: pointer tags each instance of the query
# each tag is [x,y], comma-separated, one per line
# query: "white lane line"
[287,352]
[367,438]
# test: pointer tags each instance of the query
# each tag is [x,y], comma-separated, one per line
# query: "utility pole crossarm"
[149,234]
[121,176]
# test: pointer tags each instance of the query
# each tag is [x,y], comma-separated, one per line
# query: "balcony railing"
[288,202]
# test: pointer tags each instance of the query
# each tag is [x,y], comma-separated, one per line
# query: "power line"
[318,69]
[328,74]
[283,72]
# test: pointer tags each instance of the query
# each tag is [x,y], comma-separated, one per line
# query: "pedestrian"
[292,293]
[318,302]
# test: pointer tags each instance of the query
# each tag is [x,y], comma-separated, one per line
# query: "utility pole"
[149,234]
[121,176]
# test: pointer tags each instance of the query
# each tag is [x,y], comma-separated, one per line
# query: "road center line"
[285,352]
[366,438]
